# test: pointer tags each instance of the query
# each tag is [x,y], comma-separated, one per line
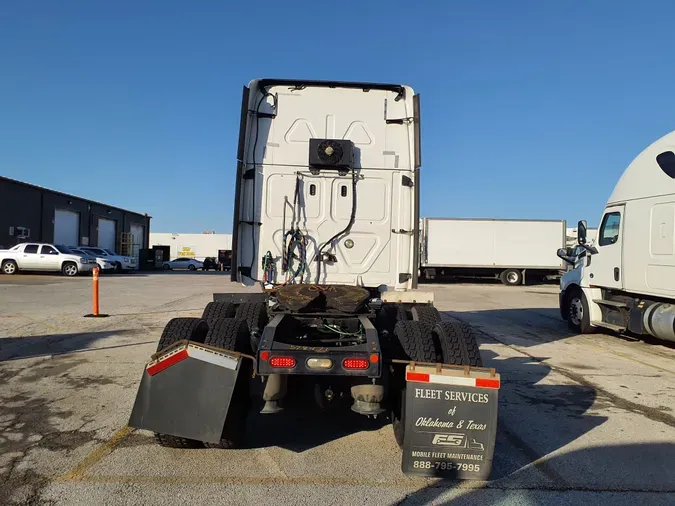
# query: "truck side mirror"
[582,228]
[562,254]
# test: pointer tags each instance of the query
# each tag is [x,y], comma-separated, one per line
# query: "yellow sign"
[186,252]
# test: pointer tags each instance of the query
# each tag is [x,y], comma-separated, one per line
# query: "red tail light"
[284,362]
[355,363]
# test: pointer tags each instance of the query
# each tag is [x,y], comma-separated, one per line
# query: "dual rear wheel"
[425,338]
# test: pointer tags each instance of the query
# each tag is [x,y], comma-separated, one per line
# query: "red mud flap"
[186,392]
[450,421]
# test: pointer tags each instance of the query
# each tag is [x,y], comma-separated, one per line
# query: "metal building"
[197,246]
[33,213]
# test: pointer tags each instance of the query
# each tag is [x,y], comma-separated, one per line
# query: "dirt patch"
[50,369]
[136,439]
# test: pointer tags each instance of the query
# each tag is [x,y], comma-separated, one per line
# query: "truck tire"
[389,314]
[403,313]
[217,310]
[194,329]
[254,314]
[426,315]
[458,344]
[229,334]
[9,267]
[178,329]
[232,334]
[511,277]
[414,342]
[578,313]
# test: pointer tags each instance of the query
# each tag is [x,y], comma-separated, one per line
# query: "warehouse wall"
[13,198]
[196,246]
[33,207]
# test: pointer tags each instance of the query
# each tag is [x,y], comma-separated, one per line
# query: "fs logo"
[458,440]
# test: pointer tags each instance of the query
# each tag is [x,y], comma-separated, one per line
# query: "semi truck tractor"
[625,281]
[512,251]
[326,226]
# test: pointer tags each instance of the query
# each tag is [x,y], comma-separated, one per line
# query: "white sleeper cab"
[625,281]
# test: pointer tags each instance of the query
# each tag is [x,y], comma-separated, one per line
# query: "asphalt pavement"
[583,419]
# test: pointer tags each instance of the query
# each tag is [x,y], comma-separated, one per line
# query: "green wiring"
[342,332]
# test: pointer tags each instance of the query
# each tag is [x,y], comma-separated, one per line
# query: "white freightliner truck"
[326,221]
[512,251]
[625,281]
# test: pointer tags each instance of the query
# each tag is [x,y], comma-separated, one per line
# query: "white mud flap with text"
[186,392]
[450,421]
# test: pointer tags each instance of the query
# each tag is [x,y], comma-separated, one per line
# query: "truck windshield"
[63,249]
[109,252]
[97,251]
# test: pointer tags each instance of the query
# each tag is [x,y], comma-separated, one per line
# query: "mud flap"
[186,392]
[450,421]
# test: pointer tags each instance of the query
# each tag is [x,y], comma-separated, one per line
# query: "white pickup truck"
[44,257]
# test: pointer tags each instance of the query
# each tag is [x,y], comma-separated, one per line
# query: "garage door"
[66,227]
[107,233]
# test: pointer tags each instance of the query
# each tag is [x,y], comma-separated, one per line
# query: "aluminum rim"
[70,270]
[9,268]
[576,311]
[512,277]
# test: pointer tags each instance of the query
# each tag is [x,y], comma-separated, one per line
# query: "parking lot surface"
[583,419]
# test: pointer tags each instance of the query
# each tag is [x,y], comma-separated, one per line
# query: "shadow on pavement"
[14,348]
[523,326]
[550,415]
[536,418]
[302,425]
[639,468]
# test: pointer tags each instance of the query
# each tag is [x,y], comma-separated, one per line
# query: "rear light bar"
[355,363]
[282,362]
[319,363]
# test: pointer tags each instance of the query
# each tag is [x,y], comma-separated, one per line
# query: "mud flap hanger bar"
[439,367]
[186,342]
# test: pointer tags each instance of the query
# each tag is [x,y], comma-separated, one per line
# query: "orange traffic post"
[95,313]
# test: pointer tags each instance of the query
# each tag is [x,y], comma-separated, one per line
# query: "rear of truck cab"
[381,121]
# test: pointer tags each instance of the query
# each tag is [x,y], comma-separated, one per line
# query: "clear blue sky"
[531,109]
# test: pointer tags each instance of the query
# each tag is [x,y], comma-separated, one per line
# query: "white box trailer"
[510,250]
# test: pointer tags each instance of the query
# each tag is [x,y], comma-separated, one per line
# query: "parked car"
[44,257]
[210,263]
[122,263]
[183,263]
[104,263]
